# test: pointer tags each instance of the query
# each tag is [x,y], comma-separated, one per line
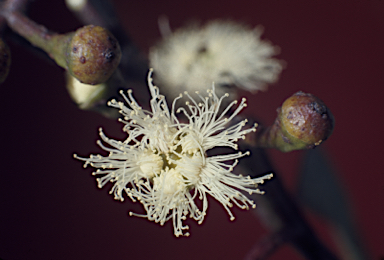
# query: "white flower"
[224,52]
[164,165]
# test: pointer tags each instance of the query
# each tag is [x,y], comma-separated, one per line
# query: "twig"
[12,6]
[279,212]
[36,34]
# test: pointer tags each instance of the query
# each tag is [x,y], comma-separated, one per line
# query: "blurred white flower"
[226,53]
[163,163]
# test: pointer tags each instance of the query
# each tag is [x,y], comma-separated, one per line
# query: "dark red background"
[50,207]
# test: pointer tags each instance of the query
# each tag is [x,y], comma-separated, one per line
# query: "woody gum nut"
[93,54]
[307,119]
[5,60]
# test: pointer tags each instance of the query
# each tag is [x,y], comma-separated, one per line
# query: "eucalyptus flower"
[227,53]
[163,163]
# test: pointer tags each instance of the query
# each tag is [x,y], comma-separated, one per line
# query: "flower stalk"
[280,213]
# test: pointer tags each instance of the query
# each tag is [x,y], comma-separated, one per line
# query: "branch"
[279,212]
[12,6]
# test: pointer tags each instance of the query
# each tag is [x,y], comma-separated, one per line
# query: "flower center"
[190,167]
[189,142]
[150,164]
[180,167]
[169,182]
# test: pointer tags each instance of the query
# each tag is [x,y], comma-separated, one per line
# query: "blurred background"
[51,208]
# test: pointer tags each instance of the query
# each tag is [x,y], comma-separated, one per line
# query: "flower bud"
[92,55]
[5,60]
[305,121]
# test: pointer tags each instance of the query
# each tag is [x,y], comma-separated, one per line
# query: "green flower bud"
[92,55]
[305,121]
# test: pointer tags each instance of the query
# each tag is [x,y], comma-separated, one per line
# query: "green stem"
[52,43]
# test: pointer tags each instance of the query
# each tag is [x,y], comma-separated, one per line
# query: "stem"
[36,34]
[276,136]
[39,36]
[270,137]
[12,6]
[280,213]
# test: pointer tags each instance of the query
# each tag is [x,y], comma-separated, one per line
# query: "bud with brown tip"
[5,60]
[303,122]
[93,54]
[306,119]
